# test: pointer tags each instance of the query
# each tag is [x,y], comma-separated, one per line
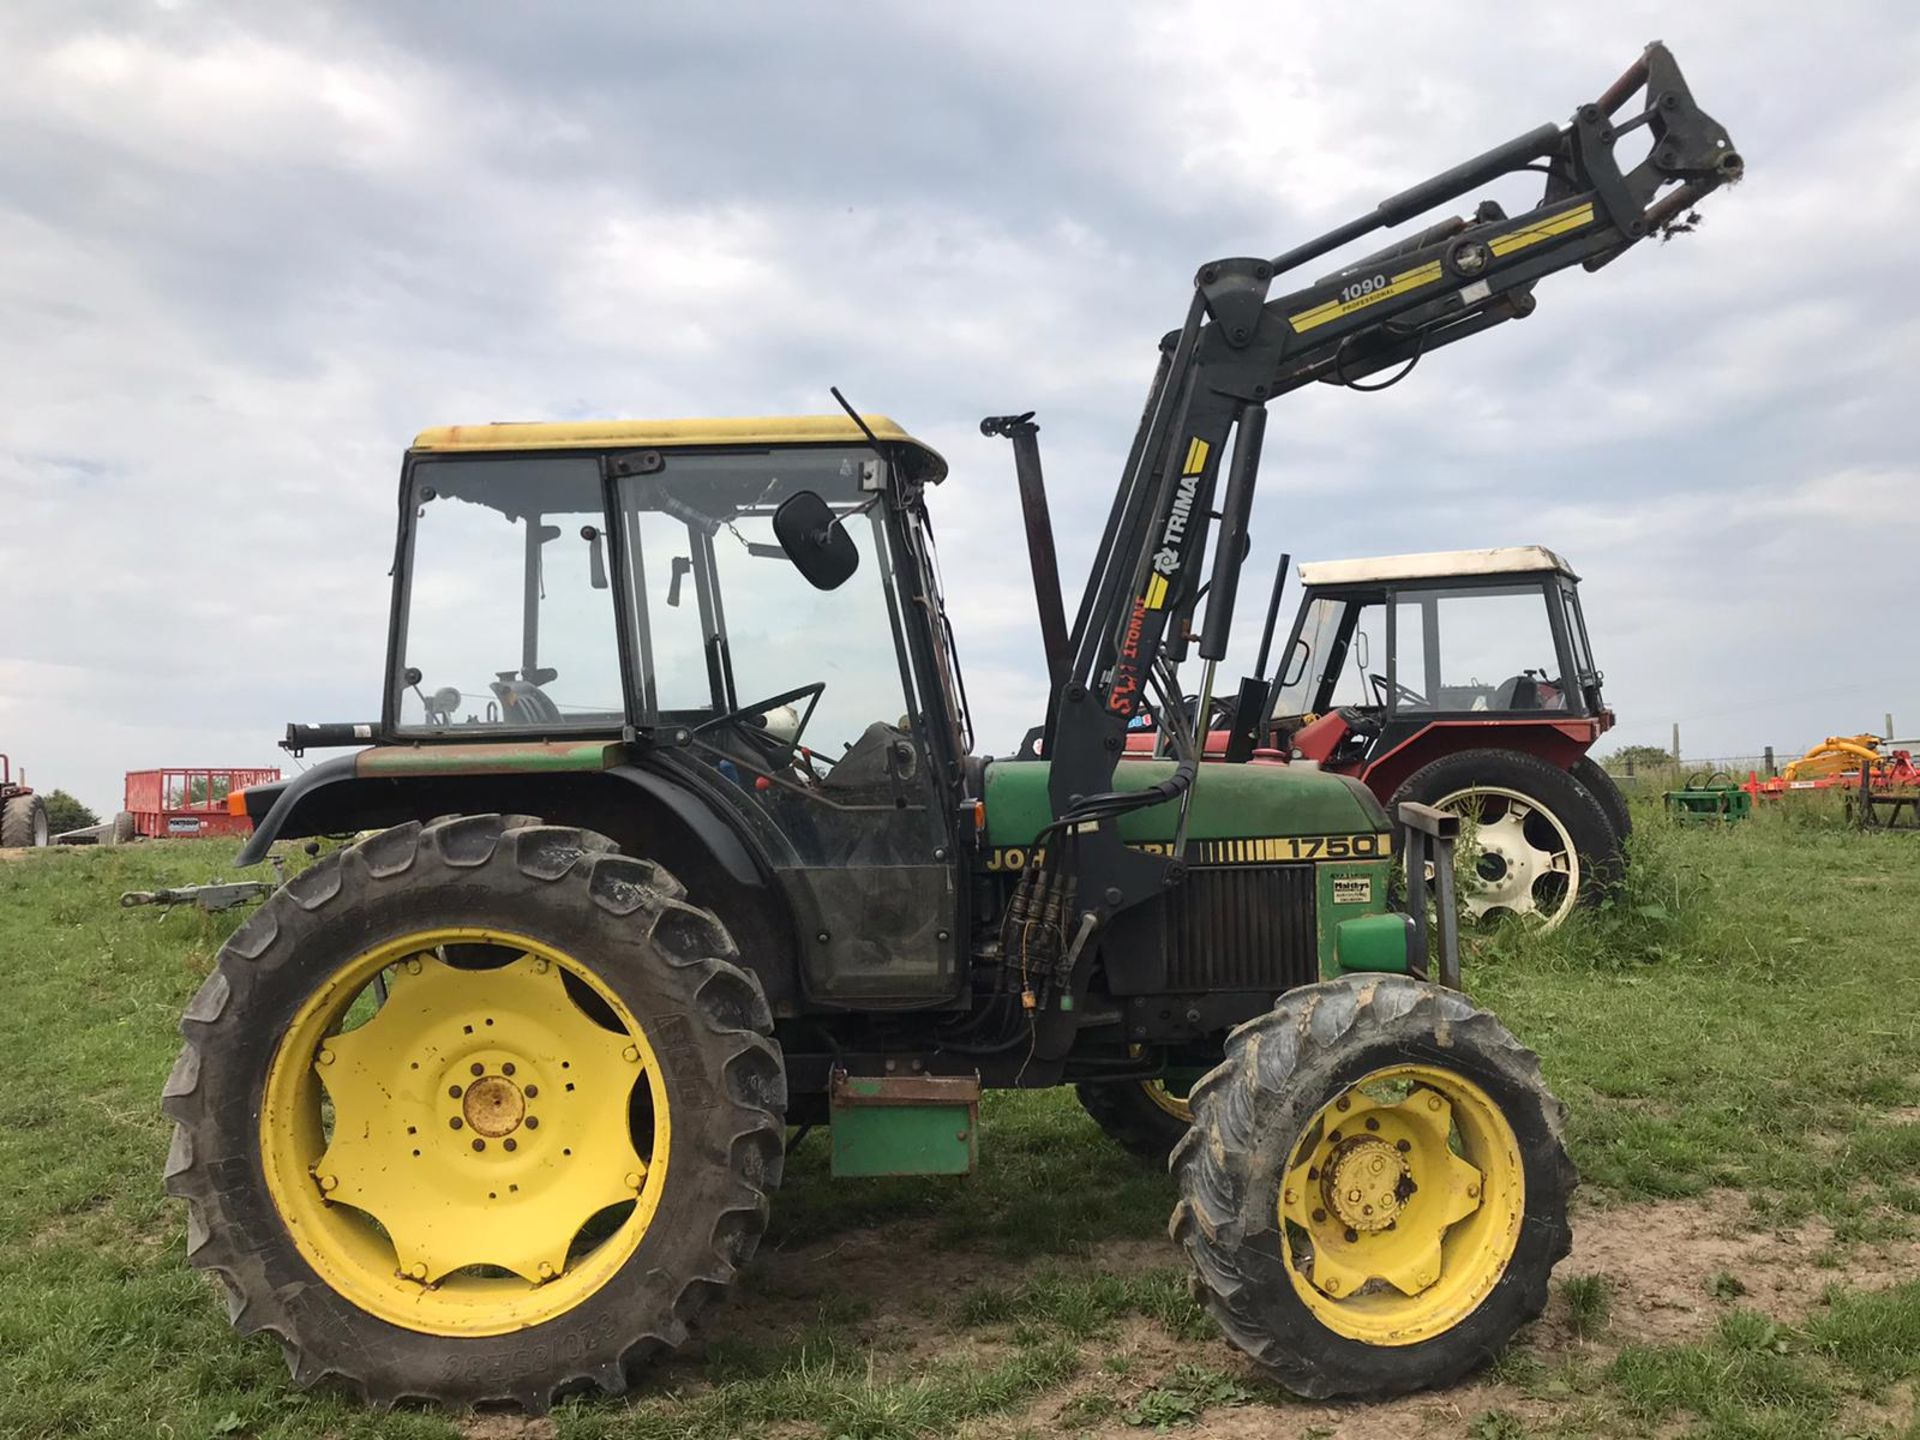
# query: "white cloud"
[249,255]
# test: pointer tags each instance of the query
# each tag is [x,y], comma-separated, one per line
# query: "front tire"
[1374,1192]
[1147,1118]
[359,1115]
[23,823]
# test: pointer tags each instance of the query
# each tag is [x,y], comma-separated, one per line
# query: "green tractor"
[491,1104]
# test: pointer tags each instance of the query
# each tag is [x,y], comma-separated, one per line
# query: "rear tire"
[1464,1147]
[1564,851]
[23,823]
[574,948]
[1606,790]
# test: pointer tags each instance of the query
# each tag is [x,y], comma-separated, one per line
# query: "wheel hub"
[1378,1191]
[1366,1184]
[493,1106]
[480,1117]
[1521,843]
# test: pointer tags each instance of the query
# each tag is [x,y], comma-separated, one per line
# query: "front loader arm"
[1241,347]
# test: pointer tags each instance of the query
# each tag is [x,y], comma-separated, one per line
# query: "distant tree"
[65,813]
[1636,757]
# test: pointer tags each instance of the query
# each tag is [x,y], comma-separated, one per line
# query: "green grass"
[1739,1019]
[1589,1300]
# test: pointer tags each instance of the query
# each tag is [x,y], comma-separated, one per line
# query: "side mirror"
[817,544]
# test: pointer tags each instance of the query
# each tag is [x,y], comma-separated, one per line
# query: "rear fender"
[1558,742]
[646,813]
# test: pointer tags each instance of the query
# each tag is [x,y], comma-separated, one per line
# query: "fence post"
[1676,744]
[1769,762]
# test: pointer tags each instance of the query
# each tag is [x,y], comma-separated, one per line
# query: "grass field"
[1735,1038]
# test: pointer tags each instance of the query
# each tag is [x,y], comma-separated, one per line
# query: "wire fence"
[1645,774]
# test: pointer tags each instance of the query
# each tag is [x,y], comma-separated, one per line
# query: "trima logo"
[1166,560]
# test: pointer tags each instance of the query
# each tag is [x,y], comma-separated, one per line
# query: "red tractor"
[1461,679]
[23,814]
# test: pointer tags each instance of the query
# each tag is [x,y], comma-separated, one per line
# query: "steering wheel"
[779,750]
[1404,692]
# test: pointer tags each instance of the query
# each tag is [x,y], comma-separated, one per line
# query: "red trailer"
[189,802]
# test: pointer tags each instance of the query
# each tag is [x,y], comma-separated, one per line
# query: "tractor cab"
[644,582]
[1384,648]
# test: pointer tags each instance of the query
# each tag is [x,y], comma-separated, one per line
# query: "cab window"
[1476,648]
[507,614]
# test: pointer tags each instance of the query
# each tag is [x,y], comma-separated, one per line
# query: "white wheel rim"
[1527,855]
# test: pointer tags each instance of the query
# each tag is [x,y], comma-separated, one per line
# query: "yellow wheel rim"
[478,1153]
[1402,1206]
[1165,1099]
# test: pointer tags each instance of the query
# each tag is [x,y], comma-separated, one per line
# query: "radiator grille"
[1243,927]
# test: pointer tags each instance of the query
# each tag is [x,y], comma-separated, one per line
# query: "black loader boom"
[1241,346]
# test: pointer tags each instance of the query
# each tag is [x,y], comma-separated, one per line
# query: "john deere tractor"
[678,840]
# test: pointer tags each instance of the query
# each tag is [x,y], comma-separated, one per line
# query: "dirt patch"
[901,1288]
[507,1427]
[1659,1260]
[890,1291]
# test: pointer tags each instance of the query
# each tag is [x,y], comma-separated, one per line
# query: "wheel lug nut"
[532,1091]
[454,1091]
[633,1179]
[1372,1124]
[1343,1103]
[454,1123]
[1403,1146]
[1319,1215]
[631,1054]
[413,968]
[329,1182]
[511,1143]
[507,1069]
[1334,1138]
[326,1057]
[1352,1235]
[478,1068]
[533,1122]
[478,1143]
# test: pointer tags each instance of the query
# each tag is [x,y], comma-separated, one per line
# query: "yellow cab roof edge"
[742,430]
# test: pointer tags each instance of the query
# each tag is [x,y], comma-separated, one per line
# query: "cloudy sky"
[247,251]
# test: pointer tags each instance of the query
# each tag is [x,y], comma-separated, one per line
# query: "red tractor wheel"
[1542,843]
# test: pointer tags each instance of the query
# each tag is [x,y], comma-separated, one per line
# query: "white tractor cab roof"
[1437,565]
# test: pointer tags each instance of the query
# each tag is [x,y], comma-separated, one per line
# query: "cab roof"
[1437,565]
[667,434]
